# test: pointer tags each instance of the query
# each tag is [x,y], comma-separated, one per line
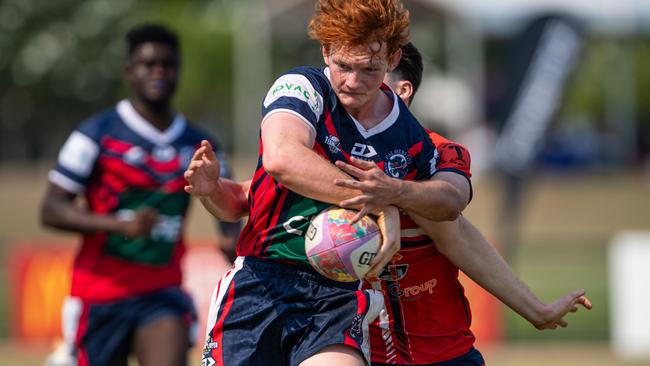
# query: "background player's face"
[357,73]
[152,72]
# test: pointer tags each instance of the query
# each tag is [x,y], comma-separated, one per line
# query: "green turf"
[553,266]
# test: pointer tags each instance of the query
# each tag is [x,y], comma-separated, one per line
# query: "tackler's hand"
[554,313]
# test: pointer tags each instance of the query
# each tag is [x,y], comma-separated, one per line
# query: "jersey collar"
[382,126]
[385,123]
[145,129]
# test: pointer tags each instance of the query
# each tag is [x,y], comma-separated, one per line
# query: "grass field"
[566,226]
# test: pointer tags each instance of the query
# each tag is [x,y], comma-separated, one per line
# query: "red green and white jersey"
[279,217]
[427,317]
[120,163]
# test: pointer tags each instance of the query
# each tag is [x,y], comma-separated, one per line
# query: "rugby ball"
[339,250]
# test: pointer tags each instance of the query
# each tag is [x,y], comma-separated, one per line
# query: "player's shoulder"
[99,123]
[442,141]
[305,75]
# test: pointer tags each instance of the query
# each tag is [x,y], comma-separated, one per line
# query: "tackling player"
[427,317]
[128,162]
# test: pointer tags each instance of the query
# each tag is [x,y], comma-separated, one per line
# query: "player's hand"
[378,189]
[388,223]
[140,223]
[554,313]
[202,174]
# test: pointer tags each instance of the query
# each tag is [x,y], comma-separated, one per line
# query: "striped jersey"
[120,163]
[279,217]
[427,317]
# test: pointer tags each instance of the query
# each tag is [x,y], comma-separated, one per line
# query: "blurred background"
[551,97]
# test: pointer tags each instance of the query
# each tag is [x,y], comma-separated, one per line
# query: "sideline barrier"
[39,276]
[629,283]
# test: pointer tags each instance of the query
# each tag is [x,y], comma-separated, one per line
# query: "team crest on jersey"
[333,143]
[397,163]
[135,155]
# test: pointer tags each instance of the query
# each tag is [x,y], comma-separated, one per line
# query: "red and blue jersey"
[398,144]
[120,163]
[427,317]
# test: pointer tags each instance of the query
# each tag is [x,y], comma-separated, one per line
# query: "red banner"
[40,279]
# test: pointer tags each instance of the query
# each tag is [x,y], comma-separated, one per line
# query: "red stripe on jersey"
[415,149]
[411,175]
[217,331]
[275,217]
[170,166]
[174,185]
[320,151]
[101,199]
[116,146]
[132,175]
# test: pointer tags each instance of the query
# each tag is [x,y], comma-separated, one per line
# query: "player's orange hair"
[350,23]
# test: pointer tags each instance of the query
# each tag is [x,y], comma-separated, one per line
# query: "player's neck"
[159,116]
[375,111]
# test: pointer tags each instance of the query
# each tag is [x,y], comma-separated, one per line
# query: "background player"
[128,164]
[427,318]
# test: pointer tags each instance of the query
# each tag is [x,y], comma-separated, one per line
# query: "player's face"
[152,71]
[357,73]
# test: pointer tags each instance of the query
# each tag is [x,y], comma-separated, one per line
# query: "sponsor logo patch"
[363,151]
[333,143]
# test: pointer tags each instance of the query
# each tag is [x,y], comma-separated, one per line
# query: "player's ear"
[326,54]
[393,60]
[404,90]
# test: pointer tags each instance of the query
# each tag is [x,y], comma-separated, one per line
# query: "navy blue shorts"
[269,313]
[471,358]
[98,334]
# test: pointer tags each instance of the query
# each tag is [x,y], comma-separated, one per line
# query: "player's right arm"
[74,168]
[59,210]
[289,159]
[464,245]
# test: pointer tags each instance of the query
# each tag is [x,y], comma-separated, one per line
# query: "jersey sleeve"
[76,159]
[454,157]
[295,93]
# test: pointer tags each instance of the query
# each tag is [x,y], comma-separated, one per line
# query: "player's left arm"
[441,198]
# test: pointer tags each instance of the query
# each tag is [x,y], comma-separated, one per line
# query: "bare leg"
[338,354]
[163,342]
